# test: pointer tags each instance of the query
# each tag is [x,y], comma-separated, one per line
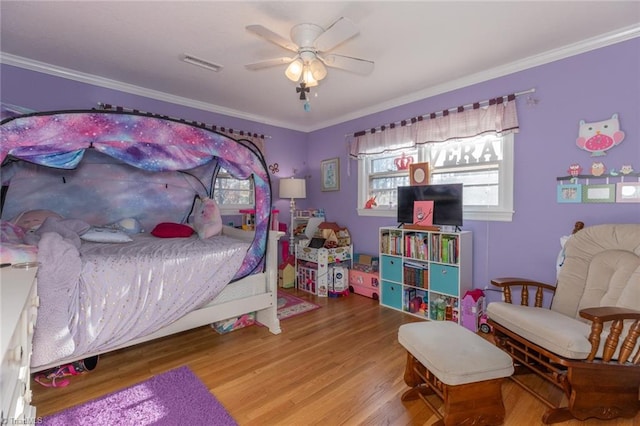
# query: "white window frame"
[503,212]
[232,209]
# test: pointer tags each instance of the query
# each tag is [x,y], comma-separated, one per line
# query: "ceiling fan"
[311,43]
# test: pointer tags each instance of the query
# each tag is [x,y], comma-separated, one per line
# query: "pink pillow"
[172,230]
[207,220]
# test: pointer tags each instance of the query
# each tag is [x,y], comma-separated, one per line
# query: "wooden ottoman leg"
[413,371]
[477,403]
[411,378]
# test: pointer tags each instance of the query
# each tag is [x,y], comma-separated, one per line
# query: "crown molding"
[603,40]
[33,65]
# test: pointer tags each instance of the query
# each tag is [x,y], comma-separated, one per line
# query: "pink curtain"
[496,117]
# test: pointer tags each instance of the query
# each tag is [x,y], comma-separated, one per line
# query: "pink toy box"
[363,276]
[473,309]
[364,283]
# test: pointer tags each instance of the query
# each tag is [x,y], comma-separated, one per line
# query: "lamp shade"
[294,70]
[307,77]
[318,69]
[293,188]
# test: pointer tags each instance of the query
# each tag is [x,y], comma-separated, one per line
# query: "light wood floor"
[338,365]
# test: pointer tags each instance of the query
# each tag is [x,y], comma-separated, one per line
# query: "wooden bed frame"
[265,304]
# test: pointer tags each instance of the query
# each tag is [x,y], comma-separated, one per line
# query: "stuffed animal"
[31,220]
[207,220]
[35,223]
[371,203]
[300,229]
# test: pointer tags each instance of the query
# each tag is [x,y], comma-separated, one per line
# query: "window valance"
[497,116]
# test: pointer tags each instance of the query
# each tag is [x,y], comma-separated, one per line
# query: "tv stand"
[425,273]
[421,227]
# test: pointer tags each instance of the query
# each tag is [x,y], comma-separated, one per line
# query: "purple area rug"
[176,397]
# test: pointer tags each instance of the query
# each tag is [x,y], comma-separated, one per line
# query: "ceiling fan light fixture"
[318,70]
[308,78]
[294,70]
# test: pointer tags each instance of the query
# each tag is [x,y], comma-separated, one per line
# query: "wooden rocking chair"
[587,343]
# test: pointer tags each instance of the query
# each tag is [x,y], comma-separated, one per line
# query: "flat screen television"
[447,202]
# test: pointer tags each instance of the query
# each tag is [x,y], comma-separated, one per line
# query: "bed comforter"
[99,296]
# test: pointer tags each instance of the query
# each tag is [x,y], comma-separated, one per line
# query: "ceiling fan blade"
[272,37]
[355,65]
[340,31]
[268,63]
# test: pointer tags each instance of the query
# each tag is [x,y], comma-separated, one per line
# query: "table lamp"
[292,189]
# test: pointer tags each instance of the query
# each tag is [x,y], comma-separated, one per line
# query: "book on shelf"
[416,274]
[391,243]
[416,245]
[445,248]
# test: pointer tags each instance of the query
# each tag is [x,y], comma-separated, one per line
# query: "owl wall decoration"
[574,171]
[598,168]
[598,137]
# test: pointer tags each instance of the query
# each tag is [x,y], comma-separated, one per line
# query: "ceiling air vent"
[202,63]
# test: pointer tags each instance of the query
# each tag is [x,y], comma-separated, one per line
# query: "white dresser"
[18,311]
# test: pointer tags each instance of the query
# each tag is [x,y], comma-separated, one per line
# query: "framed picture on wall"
[603,193]
[628,192]
[330,174]
[569,193]
[419,174]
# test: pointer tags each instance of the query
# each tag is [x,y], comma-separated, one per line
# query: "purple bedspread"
[104,295]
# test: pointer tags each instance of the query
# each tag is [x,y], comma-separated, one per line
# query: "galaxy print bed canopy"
[59,139]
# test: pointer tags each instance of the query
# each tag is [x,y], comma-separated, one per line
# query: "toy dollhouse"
[472,309]
[287,273]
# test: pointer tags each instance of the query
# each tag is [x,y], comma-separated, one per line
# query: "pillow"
[172,230]
[129,225]
[105,235]
[207,220]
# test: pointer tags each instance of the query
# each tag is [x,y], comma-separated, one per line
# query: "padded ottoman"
[460,367]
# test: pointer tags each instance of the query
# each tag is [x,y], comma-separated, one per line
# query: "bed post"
[269,316]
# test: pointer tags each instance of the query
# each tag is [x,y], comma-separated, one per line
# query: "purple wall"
[591,86]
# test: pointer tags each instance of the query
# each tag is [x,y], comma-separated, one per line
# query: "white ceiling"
[420,48]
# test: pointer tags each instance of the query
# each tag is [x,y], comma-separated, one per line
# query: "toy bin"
[231,324]
[365,283]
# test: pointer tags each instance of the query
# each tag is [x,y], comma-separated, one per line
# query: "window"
[233,194]
[484,164]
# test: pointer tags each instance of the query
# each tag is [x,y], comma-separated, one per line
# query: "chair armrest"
[601,315]
[507,282]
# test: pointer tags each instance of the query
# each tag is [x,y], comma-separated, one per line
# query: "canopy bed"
[137,175]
